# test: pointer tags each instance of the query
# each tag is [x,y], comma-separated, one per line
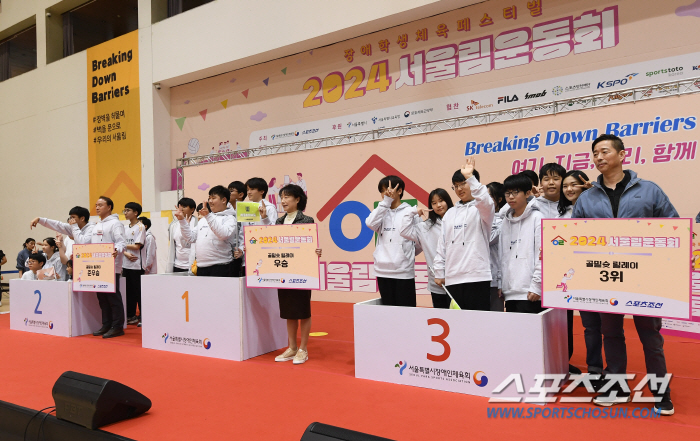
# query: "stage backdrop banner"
[282,256]
[623,266]
[93,267]
[114,120]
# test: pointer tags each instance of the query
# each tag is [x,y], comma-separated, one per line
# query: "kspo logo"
[338,208]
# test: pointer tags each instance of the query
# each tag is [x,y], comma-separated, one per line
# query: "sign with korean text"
[93,267]
[247,211]
[623,266]
[114,121]
[282,256]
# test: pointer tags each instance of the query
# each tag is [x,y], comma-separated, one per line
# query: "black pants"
[441,301]
[616,350]
[222,270]
[179,270]
[112,307]
[397,292]
[570,330]
[133,290]
[497,303]
[594,341]
[524,306]
[238,267]
[474,296]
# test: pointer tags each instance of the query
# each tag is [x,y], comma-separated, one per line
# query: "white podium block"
[210,316]
[50,307]
[469,352]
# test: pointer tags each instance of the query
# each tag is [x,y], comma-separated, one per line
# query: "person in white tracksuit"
[551,177]
[520,272]
[257,192]
[238,194]
[426,233]
[79,228]
[394,256]
[462,261]
[496,191]
[179,249]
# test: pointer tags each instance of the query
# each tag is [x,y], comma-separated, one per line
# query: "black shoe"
[611,398]
[132,320]
[103,330]
[114,332]
[574,370]
[665,406]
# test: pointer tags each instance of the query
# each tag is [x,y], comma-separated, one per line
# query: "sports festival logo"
[165,336]
[483,381]
[401,365]
[207,343]
[568,298]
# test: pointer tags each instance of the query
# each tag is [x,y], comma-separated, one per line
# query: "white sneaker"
[611,398]
[301,357]
[286,355]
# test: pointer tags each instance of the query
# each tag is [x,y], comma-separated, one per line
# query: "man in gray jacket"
[620,193]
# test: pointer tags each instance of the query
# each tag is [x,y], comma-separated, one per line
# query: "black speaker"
[93,402]
[324,432]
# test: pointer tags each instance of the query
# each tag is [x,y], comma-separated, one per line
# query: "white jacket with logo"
[111,230]
[463,249]
[519,244]
[215,237]
[79,235]
[150,259]
[549,209]
[426,235]
[176,241]
[394,256]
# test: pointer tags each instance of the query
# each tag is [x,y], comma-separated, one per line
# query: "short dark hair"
[552,168]
[69,263]
[295,191]
[498,192]
[258,184]
[52,243]
[564,203]
[517,182]
[617,142]
[187,203]
[108,201]
[38,257]
[239,187]
[220,191]
[391,180]
[200,206]
[135,206]
[29,239]
[80,212]
[442,194]
[459,177]
[146,222]
[533,177]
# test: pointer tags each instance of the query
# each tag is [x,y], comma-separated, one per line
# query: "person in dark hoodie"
[394,256]
[621,193]
[520,269]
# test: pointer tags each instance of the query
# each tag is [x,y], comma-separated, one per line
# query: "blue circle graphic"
[335,225]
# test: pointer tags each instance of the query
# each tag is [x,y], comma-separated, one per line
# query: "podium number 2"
[36,310]
[186,296]
[440,339]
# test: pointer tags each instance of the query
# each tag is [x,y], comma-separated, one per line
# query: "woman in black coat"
[295,304]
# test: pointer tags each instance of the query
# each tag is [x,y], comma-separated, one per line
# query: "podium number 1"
[186,296]
[36,310]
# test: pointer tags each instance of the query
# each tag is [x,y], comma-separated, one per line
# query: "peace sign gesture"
[392,191]
[205,208]
[179,215]
[468,168]
[585,186]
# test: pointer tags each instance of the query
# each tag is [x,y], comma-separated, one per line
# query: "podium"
[469,352]
[53,308]
[210,316]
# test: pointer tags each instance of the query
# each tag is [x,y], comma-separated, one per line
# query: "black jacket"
[301,218]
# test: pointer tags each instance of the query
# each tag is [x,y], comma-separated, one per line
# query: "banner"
[622,266]
[247,211]
[282,256]
[114,120]
[93,267]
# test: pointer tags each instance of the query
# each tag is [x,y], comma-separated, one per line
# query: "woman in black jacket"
[295,304]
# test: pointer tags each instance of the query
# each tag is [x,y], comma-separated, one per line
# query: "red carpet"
[198,398]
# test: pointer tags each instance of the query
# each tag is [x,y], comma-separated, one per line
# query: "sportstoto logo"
[401,365]
[309,131]
[483,381]
[620,82]
[293,281]
[206,344]
[507,99]
[568,298]
[671,71]
[165,337]
[38,323]
[535,95]
[558,241]
[557,90]
[614,302]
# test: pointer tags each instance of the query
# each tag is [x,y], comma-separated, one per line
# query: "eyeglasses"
[512,194]
[460,186]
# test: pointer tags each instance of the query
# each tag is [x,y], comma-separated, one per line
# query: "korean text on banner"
[93,267]
[623,266]
[114,121]
[282,256]
[247,211]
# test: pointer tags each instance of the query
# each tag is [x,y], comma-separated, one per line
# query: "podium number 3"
[186,296]
[36,310]
[440,339]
